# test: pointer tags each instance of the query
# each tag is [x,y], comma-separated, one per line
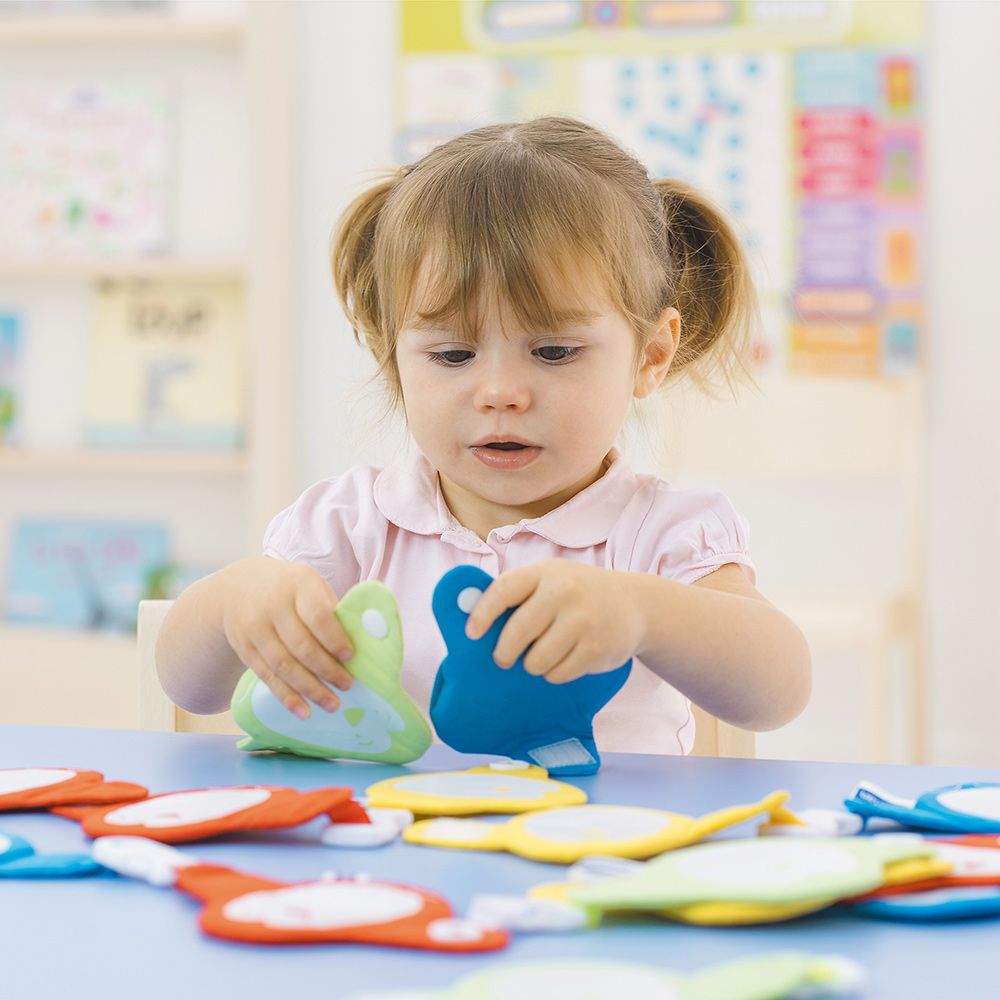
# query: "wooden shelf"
[61,638]
[67,677]
[794,426]
[113,29]
[82,460]
[74,678]
[90,269]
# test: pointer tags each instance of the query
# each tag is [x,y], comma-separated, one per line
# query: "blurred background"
[174,367]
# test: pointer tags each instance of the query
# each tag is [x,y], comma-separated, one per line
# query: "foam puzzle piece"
[730,913]
[199,813]
[45,787]
[18,859]
[711,913]
[755,870]
[966,865]
[817,823]
[376,719]
[541,911]
[722,912]
[974,840]
[140,858]
[967,808]
[569,978]
[478,707]
[778,975]
[951,903]
[769,976]
[736,914]
[501,787]
[569,833]
[383,827]
[242,907]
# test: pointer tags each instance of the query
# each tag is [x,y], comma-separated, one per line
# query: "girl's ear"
[658,353]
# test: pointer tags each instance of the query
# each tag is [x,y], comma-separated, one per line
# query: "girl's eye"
[450,359]
[557,355]
[553,355]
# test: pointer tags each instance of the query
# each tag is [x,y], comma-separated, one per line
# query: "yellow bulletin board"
[801,118]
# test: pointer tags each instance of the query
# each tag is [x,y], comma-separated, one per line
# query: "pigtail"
[536,212]
[352,253]
[709,283]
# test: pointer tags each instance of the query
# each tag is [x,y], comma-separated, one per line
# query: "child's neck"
[481,515]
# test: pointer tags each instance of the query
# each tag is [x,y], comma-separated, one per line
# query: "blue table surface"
[67,937]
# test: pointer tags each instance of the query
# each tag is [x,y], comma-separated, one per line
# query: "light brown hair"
[530,213]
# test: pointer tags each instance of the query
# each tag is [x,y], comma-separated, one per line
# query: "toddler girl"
[519,286]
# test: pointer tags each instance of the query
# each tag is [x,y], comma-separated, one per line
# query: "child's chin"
[513,495]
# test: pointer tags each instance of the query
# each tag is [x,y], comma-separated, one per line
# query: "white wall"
[840,537]
[964,451]
[345,85]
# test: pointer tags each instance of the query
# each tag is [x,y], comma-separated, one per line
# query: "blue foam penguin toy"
[973,807]
[18,859]
[478,707]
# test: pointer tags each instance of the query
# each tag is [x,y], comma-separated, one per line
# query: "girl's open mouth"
[506,454]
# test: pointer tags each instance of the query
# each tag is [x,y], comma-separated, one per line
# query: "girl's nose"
[502,391]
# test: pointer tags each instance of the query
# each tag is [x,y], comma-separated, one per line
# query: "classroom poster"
[84,167]
[166,366]
[11,362]
[801,120]
[82,574]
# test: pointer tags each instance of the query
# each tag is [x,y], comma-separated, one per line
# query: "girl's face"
[519,422]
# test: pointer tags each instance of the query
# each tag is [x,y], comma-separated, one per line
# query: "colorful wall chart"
[84,167]
[857,149]
[801,119]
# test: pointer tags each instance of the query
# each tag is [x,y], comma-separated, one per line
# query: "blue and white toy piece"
[19,860]
[968,808]
[952,903]
[478,707]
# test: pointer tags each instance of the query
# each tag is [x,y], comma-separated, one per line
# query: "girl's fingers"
[314,606]
[289,698]
[569,668]
[523,627]
[550,649]
[506,591]
[283,663]
[586,657]
[306,649]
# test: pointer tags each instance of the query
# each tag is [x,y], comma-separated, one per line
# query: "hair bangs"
[537,259]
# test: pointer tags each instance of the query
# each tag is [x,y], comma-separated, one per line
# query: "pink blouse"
[393,525]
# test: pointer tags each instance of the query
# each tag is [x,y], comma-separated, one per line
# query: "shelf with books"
[43,460]
[13,636]
[97,268]
[119,28]
[145,330]
[69,678]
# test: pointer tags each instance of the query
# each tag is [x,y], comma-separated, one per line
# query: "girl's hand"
[278,618]
[577,619]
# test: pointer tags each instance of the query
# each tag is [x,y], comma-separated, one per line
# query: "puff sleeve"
[319,527]
[687,534]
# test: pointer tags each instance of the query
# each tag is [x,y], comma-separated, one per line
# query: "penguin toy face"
[376,719]
[477,707]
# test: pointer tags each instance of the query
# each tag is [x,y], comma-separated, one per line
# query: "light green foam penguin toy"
[376,719]
[770,976]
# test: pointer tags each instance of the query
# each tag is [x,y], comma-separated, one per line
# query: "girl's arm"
[197,667]
[724,646]
[273,616]
[717,641]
